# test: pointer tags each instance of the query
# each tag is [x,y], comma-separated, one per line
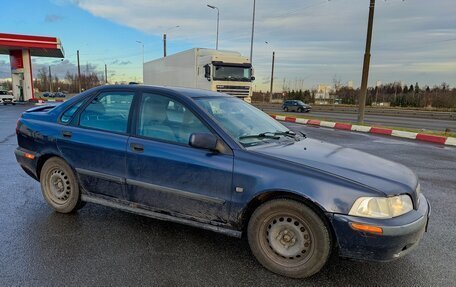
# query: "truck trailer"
[215,70]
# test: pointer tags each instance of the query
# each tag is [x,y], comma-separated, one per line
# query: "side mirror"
[207,72]
[252,78]
[203,141]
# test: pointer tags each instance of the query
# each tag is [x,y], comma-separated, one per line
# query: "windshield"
[245,123]
[232,73]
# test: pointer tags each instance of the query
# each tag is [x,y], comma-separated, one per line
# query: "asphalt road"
[102,246]
[378,120]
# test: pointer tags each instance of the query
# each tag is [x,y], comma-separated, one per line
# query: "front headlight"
[381,207]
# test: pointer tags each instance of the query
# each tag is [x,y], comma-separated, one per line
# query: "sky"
[316,41]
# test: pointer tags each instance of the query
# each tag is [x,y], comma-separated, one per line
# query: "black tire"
[286,109]
[59,186]
[300,110]
[289,238]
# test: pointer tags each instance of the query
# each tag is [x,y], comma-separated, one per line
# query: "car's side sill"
[104,176]
[177,192]
[159,216]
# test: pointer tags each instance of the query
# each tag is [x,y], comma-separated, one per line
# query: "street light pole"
[218,22]
[253,32]
[367,55]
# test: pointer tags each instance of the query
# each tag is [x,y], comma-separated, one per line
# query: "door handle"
[137,147]
[67,134]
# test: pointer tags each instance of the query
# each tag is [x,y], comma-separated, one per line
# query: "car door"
[165,174]
[95,143]
[294,107]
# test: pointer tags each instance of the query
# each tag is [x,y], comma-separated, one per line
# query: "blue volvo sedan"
[212,161]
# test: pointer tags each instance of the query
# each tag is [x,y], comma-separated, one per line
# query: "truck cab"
[226,73]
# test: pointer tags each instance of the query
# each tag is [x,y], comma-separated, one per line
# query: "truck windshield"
[232,73]
[242,121]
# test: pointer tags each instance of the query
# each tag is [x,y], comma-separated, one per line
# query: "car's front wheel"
[289,238]
[59,186]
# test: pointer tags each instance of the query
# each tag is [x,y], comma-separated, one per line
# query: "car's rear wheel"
[59,186]
[289,238]
[286,109]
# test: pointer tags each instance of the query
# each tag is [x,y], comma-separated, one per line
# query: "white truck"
[215,70]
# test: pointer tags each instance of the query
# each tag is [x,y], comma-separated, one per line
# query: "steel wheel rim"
[59,186]
[277,234]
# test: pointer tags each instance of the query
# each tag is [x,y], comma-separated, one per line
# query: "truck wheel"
[289,238]
[59,186]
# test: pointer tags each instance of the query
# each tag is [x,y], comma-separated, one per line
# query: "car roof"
[186,92]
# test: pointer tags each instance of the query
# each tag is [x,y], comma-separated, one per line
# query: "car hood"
[377,173]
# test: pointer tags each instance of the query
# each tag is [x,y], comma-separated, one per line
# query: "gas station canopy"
[37,45]
[21,48]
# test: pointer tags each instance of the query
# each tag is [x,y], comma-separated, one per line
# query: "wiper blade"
[269,135]
[286,133]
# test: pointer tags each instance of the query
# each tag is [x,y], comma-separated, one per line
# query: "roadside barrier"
[373,130]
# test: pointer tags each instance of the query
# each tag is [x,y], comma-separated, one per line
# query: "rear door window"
[109,111]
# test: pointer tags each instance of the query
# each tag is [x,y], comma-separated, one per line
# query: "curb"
[373,130]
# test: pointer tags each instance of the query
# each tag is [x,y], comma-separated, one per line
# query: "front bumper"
[400,234]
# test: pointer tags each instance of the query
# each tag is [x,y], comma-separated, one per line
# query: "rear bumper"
[28,164]
[400,235]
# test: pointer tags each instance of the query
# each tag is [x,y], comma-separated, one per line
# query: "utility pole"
[50,80]
[79,73]
[106,74]
[164,45]
[272,73]
[253,32]
[367,55]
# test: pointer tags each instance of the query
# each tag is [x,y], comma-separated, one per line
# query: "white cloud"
[316,37]
[414,40]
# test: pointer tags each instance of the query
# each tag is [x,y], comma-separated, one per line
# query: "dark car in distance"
[213,161]
[296,106]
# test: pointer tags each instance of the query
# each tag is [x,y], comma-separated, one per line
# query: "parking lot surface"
[102,246]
